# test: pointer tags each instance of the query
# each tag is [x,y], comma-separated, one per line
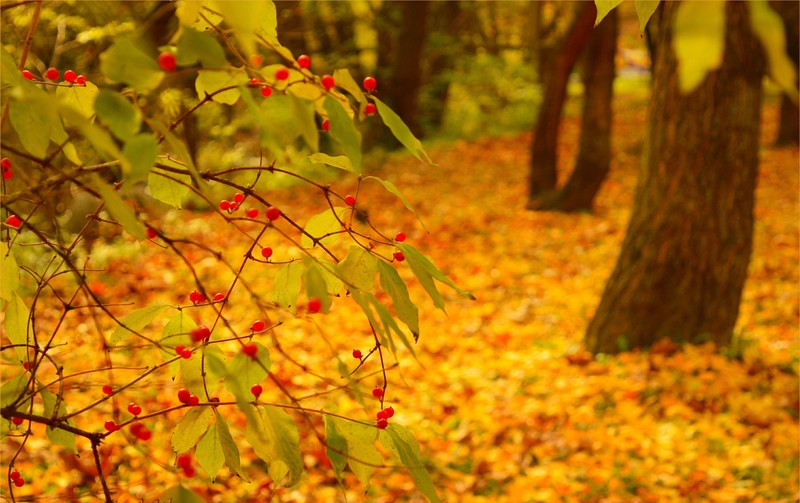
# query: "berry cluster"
[5,164]
[184,462]
[52,74]
[16,478]
[187,398]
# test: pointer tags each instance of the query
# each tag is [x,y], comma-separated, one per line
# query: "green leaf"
[698,41]
[274,438]
[362,456]
[190,428]
[645,9]
[365,302]
[345,81]
[118,113]
[180,494]
[176,332]
[229,448]
[136,321]
[392,188]
[141,152]
[604,7]
[329,273]
[304,90]
[305,116]
[9,273]
[81,98]
[335,447]
[344,131]
[278,117]
[768,27]
[180,150]
[243,372]
[9,74]
[426,271]
[393,284]
[211,81]
[13,389]
[120,211]
[248,20]
[400,131]
[359,268]
[125,62]
[321,225]
[340,161]
[316,286]
[195,46]
[56,435]
[97,136]
[16,324]
[401,443]
[287,285]
[209,452]
[168,187]
[32,124]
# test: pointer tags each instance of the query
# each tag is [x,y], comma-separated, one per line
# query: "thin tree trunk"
[445,20]
[545,134]
[684,259]
[789,125]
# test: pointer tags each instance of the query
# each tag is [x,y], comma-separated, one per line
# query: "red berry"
[184,460]
[151,234]
[233,206]
[273,213]
[255,60]
[51,74]
[166,60]
[256,390]
[382,424]
[281,73]
[303,61]
[381,414]
[107,389]
[388,412]
[134,409]
[314,305]
[258,326]
[28,75]
[6,163]
[224,205]
[219,296]
[266,91]
[179,349]
[357,353]
[136,428]
[13,221]
[377,392]
[214,399]
[400,237]
[26,365]
[251,213]
[195,297]
[111,426]
[250,350]
[327,82]
[183,395]
[326,125]
[186,354]
[19,482]
[238,197]
[398,256]
[14,475]
[189,472]
[200,333]
[145,435]
[80,80]
[254,82]
[350,200]
[193,400]
[17,420]
[370,83]
[370,109]
[266,252]
[70,76]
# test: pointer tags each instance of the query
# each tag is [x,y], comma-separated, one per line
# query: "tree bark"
[684,258]
[545,134]
[594,154]
[441,58]
[789,125]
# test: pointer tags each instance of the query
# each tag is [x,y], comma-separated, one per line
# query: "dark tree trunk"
[545,133]
[684,259]
[445,22]
[789,125]
[594,155]
[291,27]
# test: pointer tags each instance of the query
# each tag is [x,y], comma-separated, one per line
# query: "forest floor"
[505,403]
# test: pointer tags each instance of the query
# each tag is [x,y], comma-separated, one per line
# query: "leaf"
[9,273]
[426,271]
[645,9]
[392,188]
[97,136]
[81,98]
[278,117]
[32,124]
[604,7]
[180,494]
[188,11]
[125,62]
[248,20]
[335,447]
[209,452]
[345,81]
[316,286]
[136,321]
[243,372]
[13,389]
[194,46]
[401,131]
[393,284]
[210,81]
[57,435]
[16,325]
[190,428]
[229,449]
[168,187]
[305,117]
[140,151]
[698,41]
[344,131]
[275,439]
[180,150]
[9,74]
[340,161]
[358,268]
[328,270]
[117,112]
[401,443]
[176,332]
[320,225]
[362,456]
[287,285]
[769,28]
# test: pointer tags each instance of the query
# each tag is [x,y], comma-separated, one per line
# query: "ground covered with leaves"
[505,403]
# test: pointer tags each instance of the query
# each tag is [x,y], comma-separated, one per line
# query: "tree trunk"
[441,58]
[594,155]
[291,26]
[545,134]
[684,259]
[789,125]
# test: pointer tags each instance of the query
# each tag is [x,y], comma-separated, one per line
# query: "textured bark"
[545,133]
[684,258]
[789,125]
[594,154]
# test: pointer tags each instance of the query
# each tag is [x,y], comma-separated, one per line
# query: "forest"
[399,251]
